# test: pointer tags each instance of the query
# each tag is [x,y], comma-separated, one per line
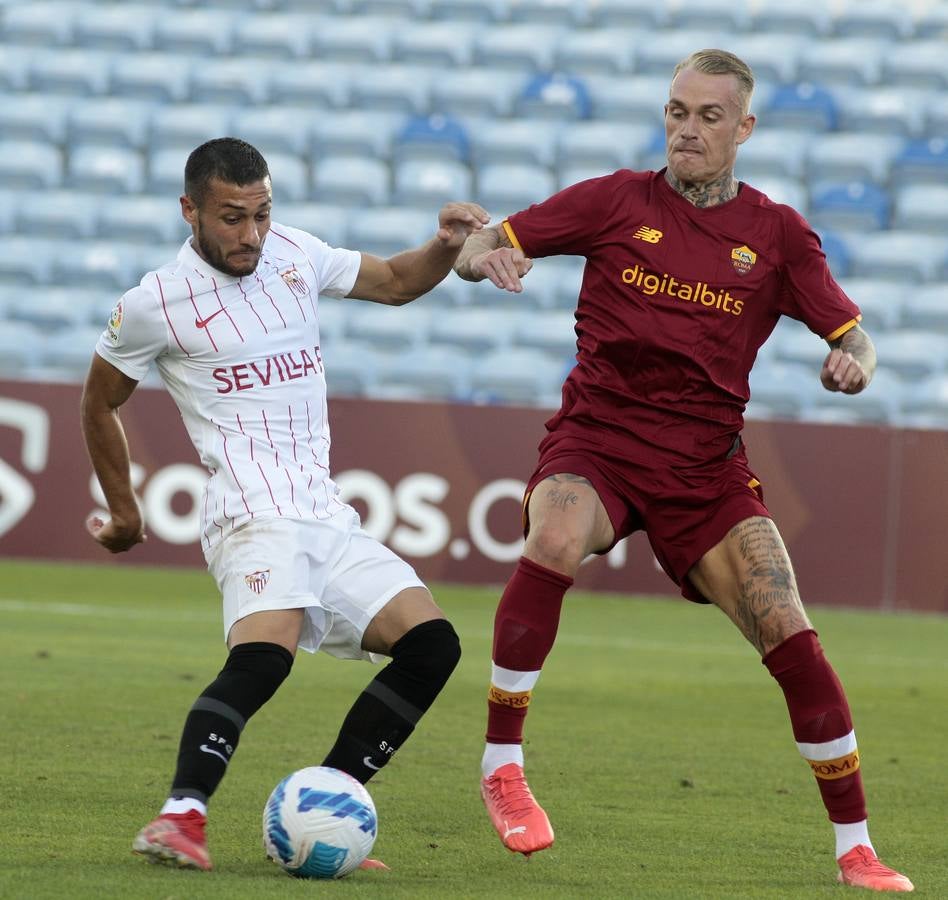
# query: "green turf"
[657,742]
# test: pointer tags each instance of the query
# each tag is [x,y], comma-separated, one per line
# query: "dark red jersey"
[674,305]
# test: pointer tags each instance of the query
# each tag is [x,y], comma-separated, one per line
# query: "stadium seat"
[289,176]
[554,97]
[792,17]
[524,47]
[434,44]
[884,111]
[475,92]
[351,181]
[39,24]
[553,332]
[430,183]
[93,167]
[606,145]
[430,373]
[10,203]
[787,390]
[597,51]
[852,61]
[78,73]
[187,125]
[113,121]
[922,207]
[926,307]
[504,189]
[804,106]
[879,19]
[109,265]
[311,84]
[854,205]
[30,164]
[394,87]
[391,328]
[922,161]
[355,133]
[632,100]
[124,28]
[570,13]
[911,255]
[29,260]
[274,35]
[69,353]
[880,403]
[67,305]
[540,292]
[332,314]
[327,222]
[20,345]
[476,330]
[838,253]
[629,14]
[161,77]
[15,67]
[928,397]
[881,302]
[365,39]
[518,376]
[34,117]
[932,22]
[390,230]
[197,32]
[774,152]
[659,56]
[851,157]
[59,214]
[794,343]
[351,367]
[233,81]
[912,354]
[484,11]
[916,64]
[274,129]
[773,57]
[788,191]
[712,15]
[416,10]
[570,175]
[166,171]
[528,141]
[142,218]
[432,137]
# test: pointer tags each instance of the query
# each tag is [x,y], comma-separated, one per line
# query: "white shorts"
[332,568]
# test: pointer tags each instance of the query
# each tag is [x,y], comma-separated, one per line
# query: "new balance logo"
[650,235]
[203,323]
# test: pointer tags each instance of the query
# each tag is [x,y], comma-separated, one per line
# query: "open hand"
[503,267]
[457,220]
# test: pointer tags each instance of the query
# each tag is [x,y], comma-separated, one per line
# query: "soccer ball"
[319,823]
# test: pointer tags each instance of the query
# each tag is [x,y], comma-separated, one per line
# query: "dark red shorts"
[684,510]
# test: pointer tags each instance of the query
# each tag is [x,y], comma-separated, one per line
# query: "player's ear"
[188,209]
[746,128]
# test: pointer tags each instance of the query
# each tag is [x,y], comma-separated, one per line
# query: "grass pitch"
[657,742]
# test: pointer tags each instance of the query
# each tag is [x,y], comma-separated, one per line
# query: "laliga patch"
[114,328]
[743,259]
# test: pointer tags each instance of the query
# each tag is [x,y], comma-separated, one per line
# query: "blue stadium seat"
[880,19]
[523,47]
[881,302]
[29,259]
[312,84]
[911,354]
[911,255]
[570,175]
[854,205]
[553,332]
[91,307]
[58,310]
[434,44]
[926,404]
[474,92]
[289,176]
[794,343]
[34,117]
[805,106]
[541,288]
[880,403]
[658,57]
[333,315]
[393,88]
[30,164]
[15,67]
[327,222]
[597,51]
[233,81]
[275,35]
[199,32]
[114,121]
[554,97]
[430,373]
[922,207]
[529,141]
[393,328]
[58,214]
[712,15]
[143,218]
[629,14]
[838,253]
[476,330]
[39,24]
[436,136]
[793,17]
[916,64]
[389,230]
[161,77]
[923,161]
[632,100]
[10,203]
[772,57]
[187,125]
[356,133]
[351,181]
[883,111]
[351,368]
[932,22]
[93,167]
[126,27]
[279,129]
[520,376]
[787,390]
[20,343]
[166,171]
[416,10]
[926,307]
[773,152]
[789,191]
[484,11]
[109,265]
[69,353]
[852,157]
[570,13]
[365,39]
[430,183]
[608,145]
[504,189]
[79,73]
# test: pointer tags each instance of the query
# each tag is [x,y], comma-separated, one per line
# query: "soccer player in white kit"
[232,325]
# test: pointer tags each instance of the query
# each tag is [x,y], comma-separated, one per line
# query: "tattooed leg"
[749,576]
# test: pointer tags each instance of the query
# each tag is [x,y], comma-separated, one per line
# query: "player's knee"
[431,650]
[251,676]
[555,548]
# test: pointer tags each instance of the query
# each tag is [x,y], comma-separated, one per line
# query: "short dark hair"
[228,159]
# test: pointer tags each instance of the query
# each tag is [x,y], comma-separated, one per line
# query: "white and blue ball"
[319,823]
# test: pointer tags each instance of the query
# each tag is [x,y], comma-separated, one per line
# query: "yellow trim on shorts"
[510,233]
[852,323]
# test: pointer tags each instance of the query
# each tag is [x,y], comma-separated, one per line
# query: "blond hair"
[721,62]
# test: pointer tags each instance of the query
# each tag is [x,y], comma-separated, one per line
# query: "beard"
[213,255]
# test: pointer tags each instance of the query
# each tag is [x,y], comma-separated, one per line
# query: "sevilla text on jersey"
[274,369]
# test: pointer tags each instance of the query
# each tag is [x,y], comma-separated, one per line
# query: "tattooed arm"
[491,254]
[850,364]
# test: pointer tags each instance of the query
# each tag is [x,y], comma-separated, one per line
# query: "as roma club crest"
[257,581]
[743,259]
[294,281]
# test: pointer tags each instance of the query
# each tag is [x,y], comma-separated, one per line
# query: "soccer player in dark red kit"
[687,272]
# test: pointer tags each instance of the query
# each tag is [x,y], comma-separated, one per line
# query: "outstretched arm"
[406,276]
[850,364]
[106,389]
[491,254]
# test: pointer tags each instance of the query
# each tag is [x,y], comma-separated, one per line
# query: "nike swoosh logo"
[207,749]
[367,761]
[520,829]
[202,323]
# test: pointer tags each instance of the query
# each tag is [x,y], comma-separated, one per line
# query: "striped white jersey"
[241,357]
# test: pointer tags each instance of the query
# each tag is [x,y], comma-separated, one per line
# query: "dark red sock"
[524,631]
[819,713]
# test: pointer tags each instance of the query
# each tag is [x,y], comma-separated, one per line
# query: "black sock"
[386,712]
[250,677]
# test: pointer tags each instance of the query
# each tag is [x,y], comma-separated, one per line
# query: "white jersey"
[241,358]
